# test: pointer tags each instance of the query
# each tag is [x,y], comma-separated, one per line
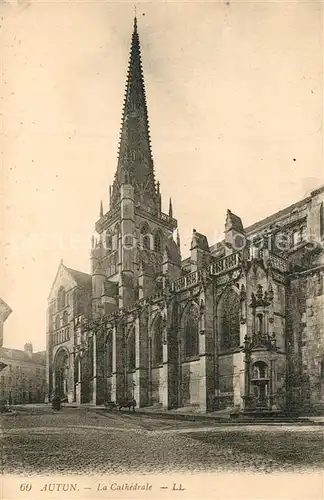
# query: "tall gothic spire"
[135,163]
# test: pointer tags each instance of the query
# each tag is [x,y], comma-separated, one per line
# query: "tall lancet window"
[157,344]
[229,320]
[145,237]
[190,325]
[158,241]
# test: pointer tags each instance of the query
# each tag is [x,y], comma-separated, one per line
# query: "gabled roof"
[171,253]
[6,310]
[199,240]
[233,222]
[282,213]
[84,280]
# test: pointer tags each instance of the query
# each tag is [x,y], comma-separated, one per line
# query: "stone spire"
[135,163]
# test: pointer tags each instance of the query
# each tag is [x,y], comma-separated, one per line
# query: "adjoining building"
[237,324]
[22,375]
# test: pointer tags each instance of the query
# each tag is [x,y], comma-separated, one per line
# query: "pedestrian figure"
[56,401]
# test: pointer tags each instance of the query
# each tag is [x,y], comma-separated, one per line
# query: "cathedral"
[237,324]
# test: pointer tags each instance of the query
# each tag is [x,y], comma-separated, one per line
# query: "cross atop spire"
[135,163]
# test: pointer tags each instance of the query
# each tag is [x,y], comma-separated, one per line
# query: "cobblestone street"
[78,441]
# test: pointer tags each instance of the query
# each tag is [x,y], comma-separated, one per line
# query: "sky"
[234,93]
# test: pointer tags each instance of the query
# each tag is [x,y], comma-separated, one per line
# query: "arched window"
[116,236]
[158,242]
[191,336]
[145,237]
[65,318]
[157,344]
[131,351]
[57,322]
[229,320]
[108,242]
[259,370]
[61,298]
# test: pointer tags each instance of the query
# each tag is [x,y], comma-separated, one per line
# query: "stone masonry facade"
[238,324]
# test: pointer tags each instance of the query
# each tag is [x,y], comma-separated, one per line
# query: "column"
[247,361]
[53,380]
[164,381]
[272,390]
[169,380]
[49,368]
[141,374]
[117,381]
[78,384]
[70,382]
[94,368]
[206,342]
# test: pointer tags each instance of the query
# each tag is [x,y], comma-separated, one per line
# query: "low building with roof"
[22,375]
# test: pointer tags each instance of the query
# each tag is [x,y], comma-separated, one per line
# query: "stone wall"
[226,373]
[190,383]
[306,338]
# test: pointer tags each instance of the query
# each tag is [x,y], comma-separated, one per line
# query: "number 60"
[25,487]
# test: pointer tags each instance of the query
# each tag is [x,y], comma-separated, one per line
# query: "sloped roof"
[271,219]
[234,222]
[171,251]
[282,213]
[5,309]
[83,280]
[10,355]
[200,240]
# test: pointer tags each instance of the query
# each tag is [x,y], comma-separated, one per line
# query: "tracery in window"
[259,370]
[145,237]
[190,330]
[229,320]
[157,241]
[157,343]
[108,241]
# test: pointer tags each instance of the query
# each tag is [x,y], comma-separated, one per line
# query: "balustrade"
[226,264]
[279,263]
[185,282]
[164,217]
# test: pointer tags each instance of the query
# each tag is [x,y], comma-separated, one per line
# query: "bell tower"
[134,233]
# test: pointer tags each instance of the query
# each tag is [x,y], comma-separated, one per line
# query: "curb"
[212,419]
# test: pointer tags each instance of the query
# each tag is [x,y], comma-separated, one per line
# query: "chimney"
[28,348]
